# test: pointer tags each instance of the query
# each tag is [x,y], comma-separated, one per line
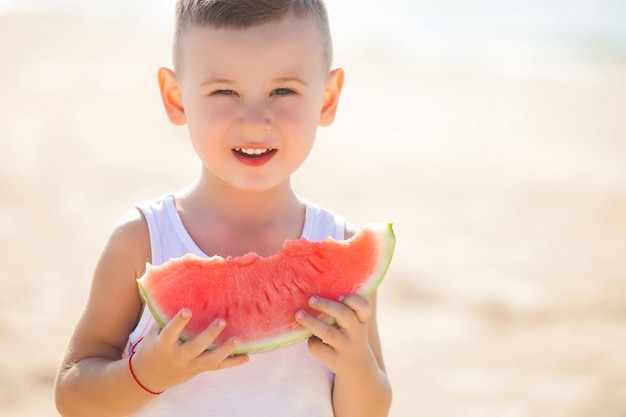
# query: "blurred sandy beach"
[507,295]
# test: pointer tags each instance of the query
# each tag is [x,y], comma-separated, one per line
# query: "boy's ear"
[334,84]
[171,96]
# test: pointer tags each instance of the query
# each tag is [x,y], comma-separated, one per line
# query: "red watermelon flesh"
[259,296]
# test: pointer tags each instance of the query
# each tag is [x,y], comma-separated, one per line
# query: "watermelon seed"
[259,307]
[289,289]
[314,266]
[298,286]
[267,297]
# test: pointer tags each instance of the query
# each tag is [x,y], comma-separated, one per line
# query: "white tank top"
[287,382]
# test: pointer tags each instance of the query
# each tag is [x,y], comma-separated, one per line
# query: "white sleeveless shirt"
[287,382]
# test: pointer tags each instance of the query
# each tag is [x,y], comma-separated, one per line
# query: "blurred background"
[492,133]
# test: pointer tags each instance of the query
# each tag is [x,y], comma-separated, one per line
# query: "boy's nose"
[255,120]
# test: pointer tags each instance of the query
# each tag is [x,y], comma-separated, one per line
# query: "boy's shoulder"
[131,224]
[129,240]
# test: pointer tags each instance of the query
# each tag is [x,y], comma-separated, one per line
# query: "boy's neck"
[241,208]
[229,222]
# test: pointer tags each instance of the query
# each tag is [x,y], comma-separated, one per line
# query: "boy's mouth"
[254,157]
[253,153]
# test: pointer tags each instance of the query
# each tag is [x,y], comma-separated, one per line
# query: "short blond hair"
[242,14]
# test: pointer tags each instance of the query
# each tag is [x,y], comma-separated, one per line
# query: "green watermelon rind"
[387,239]
[386,243]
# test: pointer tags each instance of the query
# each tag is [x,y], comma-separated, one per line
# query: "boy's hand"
[344,346]
[162,360]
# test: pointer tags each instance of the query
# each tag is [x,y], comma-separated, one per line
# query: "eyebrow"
[212,81]
[291,79]
[280,80]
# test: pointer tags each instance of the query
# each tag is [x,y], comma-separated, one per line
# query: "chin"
[260,186]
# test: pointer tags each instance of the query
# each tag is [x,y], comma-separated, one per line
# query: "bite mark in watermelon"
[259,296]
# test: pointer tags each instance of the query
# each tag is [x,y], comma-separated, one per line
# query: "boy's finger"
[233,361]
[199,344]
[348,312]
[327,333]
[171,332]
[222,356]
[343,314]
[360,305]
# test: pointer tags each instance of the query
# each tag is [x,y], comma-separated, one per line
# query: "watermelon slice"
[259,296]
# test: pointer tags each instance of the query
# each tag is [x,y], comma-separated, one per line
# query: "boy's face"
[252,99]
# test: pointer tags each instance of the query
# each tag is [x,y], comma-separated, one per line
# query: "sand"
[507,295]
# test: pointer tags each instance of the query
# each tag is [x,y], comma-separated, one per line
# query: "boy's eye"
[224,92]
[283,91]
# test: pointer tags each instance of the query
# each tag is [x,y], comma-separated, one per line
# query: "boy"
[252,82]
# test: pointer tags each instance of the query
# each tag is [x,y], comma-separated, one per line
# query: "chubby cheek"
[299,119]
[206,140]
[207,111]
[208,124]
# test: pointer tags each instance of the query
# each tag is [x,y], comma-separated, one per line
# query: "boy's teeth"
[252,151]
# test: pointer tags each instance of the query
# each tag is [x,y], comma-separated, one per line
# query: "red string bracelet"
[130,366]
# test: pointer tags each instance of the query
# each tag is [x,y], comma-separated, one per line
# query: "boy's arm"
[363,389]
[352,350]
[94,379]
